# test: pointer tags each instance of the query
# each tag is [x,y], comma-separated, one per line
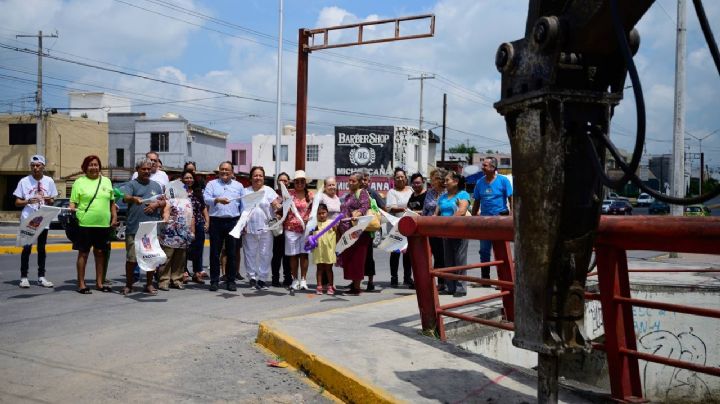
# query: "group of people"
[273,234]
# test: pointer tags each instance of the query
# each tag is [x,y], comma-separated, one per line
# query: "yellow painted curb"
[339,381]
[57,248]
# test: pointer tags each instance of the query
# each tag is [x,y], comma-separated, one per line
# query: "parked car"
[659,208]
[644,199]
[614,196]
[696,210]
[620,207]
[56,224]
[605,205]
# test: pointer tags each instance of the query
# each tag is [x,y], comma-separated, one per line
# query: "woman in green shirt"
[94,205]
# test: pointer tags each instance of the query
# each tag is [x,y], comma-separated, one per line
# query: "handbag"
[374,224]
[72,224]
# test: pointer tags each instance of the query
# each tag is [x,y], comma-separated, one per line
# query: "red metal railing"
[616,235]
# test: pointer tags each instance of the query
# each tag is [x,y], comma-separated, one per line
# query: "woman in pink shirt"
[294,227]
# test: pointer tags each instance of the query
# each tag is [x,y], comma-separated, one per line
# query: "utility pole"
[422,79]
[702,156]
[678,174]
[278,118]
[442,153]
[38,94]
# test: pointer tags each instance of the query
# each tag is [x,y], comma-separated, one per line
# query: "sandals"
[126,290]
[84,291]
[319,290]
[197,278]
[150,290]
[104,289]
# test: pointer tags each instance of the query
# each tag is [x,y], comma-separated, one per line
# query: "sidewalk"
[376,353]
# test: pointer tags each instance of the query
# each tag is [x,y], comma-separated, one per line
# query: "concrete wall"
[98,104]
[262,154]
[121,135]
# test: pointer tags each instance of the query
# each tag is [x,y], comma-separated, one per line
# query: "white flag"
[250,202]
[312,222]
[287,205]
[34,224]
[148,252]
[395,241]
[353,234]
[176,190]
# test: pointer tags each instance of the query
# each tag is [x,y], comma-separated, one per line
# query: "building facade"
[176,141]
[319,153]
[240,155]
[95,106]
[66,142]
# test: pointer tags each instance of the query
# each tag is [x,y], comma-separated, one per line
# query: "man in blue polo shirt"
[493,197]
[222,196]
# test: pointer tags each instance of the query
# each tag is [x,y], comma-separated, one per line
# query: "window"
[159,141]
[416,150]
[504,161]
[313,152]
[120,158]
[239,157]
[22,133]
[283,153]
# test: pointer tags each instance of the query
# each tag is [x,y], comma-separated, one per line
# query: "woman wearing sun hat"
[294,227]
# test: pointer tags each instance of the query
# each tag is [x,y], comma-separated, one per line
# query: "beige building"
[67,141]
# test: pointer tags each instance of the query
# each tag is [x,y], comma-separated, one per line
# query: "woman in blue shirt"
[454,202]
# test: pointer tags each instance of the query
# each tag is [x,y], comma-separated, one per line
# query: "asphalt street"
[183,345]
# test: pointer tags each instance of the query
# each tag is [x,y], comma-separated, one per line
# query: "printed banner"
[363,147]
[34,224]
[353,234]
[148,252]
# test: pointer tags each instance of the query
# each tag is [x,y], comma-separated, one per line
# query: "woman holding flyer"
[258,238]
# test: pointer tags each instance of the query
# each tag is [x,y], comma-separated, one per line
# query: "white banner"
[353,234]
[312,221]
[176,190]
[148,252]
[395,241]
[34,224]
[250,202]
[287,205]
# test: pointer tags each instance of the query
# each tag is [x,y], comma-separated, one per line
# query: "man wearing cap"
[222,196]
[31,193]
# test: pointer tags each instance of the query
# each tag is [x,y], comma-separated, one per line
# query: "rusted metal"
[301,104]
[678,308]
[617,322]
[503,325]
[498,228]
[465,267]
[476,300]
[360,28]
[425,291]
[710,370]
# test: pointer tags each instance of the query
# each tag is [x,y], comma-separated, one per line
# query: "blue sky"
[164,39]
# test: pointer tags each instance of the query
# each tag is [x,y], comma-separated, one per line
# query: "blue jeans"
[219,235]
[485,249]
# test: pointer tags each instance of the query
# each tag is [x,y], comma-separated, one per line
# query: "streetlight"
[700,140]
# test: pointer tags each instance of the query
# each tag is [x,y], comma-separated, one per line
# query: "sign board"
[364,148]
[380,184]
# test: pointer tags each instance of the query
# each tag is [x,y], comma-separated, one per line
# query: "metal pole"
[302,88]
[278,118]
[442,153]
[422,78]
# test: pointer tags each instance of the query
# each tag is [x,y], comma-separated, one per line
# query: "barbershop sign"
[363,147]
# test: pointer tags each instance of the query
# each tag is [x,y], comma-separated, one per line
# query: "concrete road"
[183,345]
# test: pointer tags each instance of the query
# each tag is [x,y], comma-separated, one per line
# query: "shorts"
[294,243]
[130,248]
[97,238]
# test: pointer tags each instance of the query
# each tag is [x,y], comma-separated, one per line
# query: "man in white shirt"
[31,193]
[156,174]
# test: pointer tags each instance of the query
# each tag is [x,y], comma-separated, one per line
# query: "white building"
[96,106]
[319,154]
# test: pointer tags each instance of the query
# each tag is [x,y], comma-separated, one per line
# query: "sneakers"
[231,286]
[303,284]
[261,285]
[331,290]
[295,285]
[44,282]
[319,290]
[24,283]
[213,287]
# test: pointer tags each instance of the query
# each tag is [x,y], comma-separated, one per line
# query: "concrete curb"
[340,382]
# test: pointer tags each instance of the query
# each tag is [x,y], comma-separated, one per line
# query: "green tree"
[463,148]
